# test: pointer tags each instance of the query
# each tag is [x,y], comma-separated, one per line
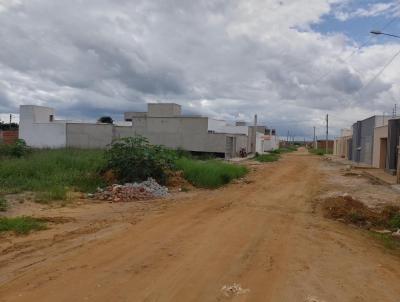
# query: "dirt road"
[263,235]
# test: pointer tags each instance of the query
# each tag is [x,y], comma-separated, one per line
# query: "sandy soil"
[264,235]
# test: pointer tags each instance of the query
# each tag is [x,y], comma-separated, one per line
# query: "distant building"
[343,144]
[162,123]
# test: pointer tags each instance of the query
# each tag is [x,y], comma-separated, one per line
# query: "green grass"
[266,158]
[395,222]
[3,204]
[209,174]
[51,173]
[21,225]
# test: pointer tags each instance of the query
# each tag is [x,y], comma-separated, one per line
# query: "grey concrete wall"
[123,131]
[363,140]
[163,110]
[393,143]
[189,133]
[89,136]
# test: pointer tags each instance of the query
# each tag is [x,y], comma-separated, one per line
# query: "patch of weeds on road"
[56,193]
[266,158]
[394,222]
[3,204]
[387,240]
[319,151]
[21,225]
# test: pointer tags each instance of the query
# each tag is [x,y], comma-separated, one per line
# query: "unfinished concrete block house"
[373,141]
[162,123]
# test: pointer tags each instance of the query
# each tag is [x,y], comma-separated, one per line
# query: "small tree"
[106,120]
[135,159]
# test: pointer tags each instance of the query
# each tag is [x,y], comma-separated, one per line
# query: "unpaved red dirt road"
[264,235]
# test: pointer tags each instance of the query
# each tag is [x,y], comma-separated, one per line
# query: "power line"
[379,73]
[355,51]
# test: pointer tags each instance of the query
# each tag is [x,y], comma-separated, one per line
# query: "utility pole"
[10,120]
[395,110]
[327,133]
[287,139]
[314,141]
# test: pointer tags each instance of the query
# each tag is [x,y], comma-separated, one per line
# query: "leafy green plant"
[21,225]
[209,174]
[135,159]
[3,204]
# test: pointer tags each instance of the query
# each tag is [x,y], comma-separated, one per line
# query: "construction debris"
[233,290]
[145,190]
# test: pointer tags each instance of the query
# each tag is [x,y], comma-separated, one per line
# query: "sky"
[289,61]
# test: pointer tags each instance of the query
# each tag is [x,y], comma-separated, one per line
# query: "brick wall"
[8,136]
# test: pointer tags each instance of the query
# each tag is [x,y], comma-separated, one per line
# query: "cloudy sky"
[289,61]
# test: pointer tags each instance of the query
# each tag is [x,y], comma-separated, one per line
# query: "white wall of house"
[37,130]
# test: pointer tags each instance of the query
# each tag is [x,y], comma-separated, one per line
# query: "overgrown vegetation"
[18,149]
[21,225]
[135,159]
[52,173]
[210,173]
[3,204]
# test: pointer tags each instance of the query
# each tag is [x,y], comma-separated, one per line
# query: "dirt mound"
[177,181]
[350,210]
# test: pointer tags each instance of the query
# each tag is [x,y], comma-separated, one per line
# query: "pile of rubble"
[146,190]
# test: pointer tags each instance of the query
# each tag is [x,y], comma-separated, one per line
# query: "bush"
[18,149]
[135,159]
[21,225]
[209,174]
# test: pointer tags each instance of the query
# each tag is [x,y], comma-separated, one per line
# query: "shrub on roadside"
[135,159]
[17,149]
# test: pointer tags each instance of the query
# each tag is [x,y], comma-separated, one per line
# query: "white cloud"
[373,10]
[228,59]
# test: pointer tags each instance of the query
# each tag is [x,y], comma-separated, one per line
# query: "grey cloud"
[228,59]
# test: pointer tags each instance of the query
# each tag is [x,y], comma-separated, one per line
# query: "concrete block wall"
[89,136]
